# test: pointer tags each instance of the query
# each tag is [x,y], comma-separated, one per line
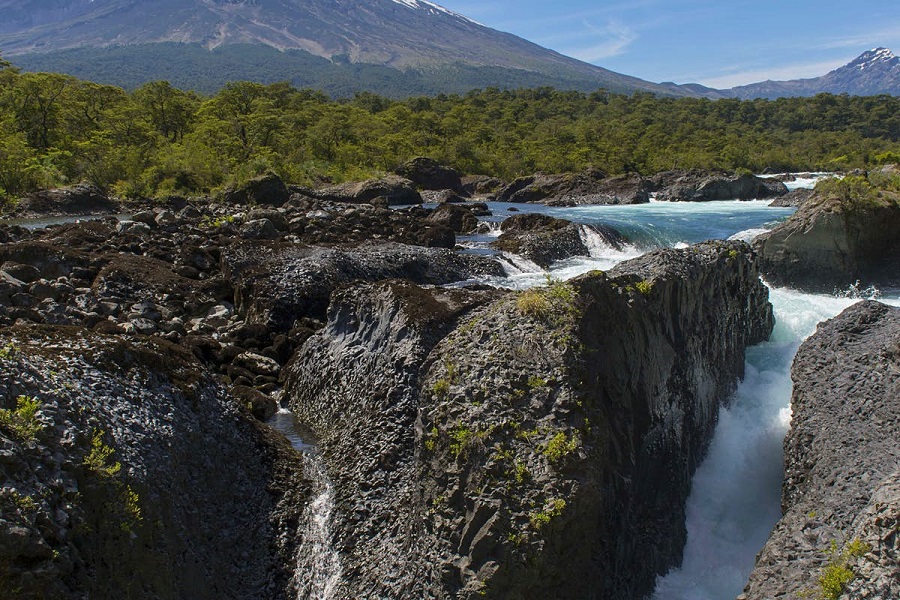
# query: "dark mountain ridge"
[401,34]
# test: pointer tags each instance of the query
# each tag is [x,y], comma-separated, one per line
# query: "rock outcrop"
[841,494]
[534,444]
[79,199]
[848,231]
[278,284]
[702,186]
[129,472]
[265,190]
[543,239]
[590,187]
[429,174]
[392,189]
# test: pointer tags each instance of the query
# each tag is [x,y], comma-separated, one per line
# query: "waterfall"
[317,569]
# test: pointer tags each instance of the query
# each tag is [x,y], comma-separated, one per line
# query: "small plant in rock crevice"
[22,422]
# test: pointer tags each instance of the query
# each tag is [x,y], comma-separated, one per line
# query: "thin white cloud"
[784,73]
[605,42]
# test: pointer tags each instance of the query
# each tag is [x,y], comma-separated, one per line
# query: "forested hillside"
[56,129]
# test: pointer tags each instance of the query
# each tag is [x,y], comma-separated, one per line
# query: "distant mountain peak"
[876,71]
[875,56]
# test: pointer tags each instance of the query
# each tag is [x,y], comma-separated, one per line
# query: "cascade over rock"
[539,444]
[841,482]
[544,239]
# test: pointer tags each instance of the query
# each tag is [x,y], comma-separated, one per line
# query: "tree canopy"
[56,129]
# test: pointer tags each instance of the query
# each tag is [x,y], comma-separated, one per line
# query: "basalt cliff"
[480,441]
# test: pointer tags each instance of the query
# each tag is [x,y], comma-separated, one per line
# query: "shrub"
[560,446]
[22,422]
[99,459]
[838,572]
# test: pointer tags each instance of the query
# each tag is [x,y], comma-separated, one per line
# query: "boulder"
[525,445]
[481,185]
[79,199]
[428,174]
[458,218]
[266,189]
[847,232]
[395,190]
[841,491]
[543,239]
[703,186]
[570,189]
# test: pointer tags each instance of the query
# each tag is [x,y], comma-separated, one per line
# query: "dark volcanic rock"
[793,198]
[395,190]
[428,174]
[836,239]
[544,239]
[590,187]
[278,284]
[531,445]
[841,482]
[143,479]
[76,200]
[267,190]
[458,218]
[702,186]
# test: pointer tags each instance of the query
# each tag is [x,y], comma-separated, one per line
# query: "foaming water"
[318,565]
[736,492]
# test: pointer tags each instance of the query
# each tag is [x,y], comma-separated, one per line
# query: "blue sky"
[720,44]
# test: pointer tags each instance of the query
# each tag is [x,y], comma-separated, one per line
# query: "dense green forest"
[56,129]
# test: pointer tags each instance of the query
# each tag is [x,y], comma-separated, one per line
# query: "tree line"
[56,129]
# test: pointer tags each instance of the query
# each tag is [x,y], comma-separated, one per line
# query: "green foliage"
[99,459]
[460,438]
[560,446]
[9,351]
[22,422]
[552,509]
[644,286]
[536,382]
[160,139]
[839,570]
[441,388]
[131,504]
[556,304]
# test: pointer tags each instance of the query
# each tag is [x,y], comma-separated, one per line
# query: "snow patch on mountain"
[432,8]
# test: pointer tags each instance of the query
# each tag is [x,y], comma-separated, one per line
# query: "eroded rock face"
[841,483]
[833,242]
[526,445]
[703,186]
[143,477]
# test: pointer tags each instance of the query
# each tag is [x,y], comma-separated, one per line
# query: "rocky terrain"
[480,442]
[846,232]
[516,442]
[838,537]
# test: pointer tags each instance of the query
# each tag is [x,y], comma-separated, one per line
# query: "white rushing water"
[736,492]
[318,564]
